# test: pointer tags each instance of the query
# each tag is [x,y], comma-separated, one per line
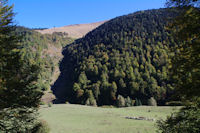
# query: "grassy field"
[67,118]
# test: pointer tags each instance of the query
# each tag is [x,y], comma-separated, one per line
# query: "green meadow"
[69,118]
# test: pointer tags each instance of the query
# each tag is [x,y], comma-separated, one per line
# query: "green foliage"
[186,64]
[15,120]
[46,48]
[42,127]
[185,69]
[120,101]
[129,102]
[152,102]
[18,76]
[182,3]
[124,102]
[90,100]
[187,120]
[131,58]
[19,90]
[138,102]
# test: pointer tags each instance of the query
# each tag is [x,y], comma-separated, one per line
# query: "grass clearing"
[69,118]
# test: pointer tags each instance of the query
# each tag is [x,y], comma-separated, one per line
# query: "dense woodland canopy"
[124,62]
[43,48]
[125,59]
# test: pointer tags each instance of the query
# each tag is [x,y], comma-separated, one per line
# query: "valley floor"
[69,118]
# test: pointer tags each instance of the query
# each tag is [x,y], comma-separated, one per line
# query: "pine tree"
[18,77]
[19,91]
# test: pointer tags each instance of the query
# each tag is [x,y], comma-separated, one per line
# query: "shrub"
[91,102]
[129,102]
[152,102]
[187,120]
[42,127]
[120,101]
[18,120]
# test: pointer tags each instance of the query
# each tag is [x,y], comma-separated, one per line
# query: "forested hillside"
[121,62]
[44,50]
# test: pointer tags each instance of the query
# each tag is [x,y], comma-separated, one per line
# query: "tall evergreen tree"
[18,77]
[19,92]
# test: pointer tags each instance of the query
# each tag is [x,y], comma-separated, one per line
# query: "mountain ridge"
[73,31]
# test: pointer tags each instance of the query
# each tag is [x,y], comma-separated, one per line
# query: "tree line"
[126,57]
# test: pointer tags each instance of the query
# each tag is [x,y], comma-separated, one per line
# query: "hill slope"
[73,31]
[124,59]
[44,50]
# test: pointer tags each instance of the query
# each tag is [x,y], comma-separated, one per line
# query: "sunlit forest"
[139,72]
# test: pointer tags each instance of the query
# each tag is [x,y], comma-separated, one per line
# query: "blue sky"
[50,13]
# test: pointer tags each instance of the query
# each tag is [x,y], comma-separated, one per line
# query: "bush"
[187,120]
[42,127]
[18,120]
[152,102]
[120,101]
[129,102]
[91,102]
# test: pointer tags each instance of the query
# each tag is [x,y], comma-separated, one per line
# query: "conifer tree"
[19,91]
[18,77]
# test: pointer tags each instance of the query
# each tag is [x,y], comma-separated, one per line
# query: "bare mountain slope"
[74,31]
